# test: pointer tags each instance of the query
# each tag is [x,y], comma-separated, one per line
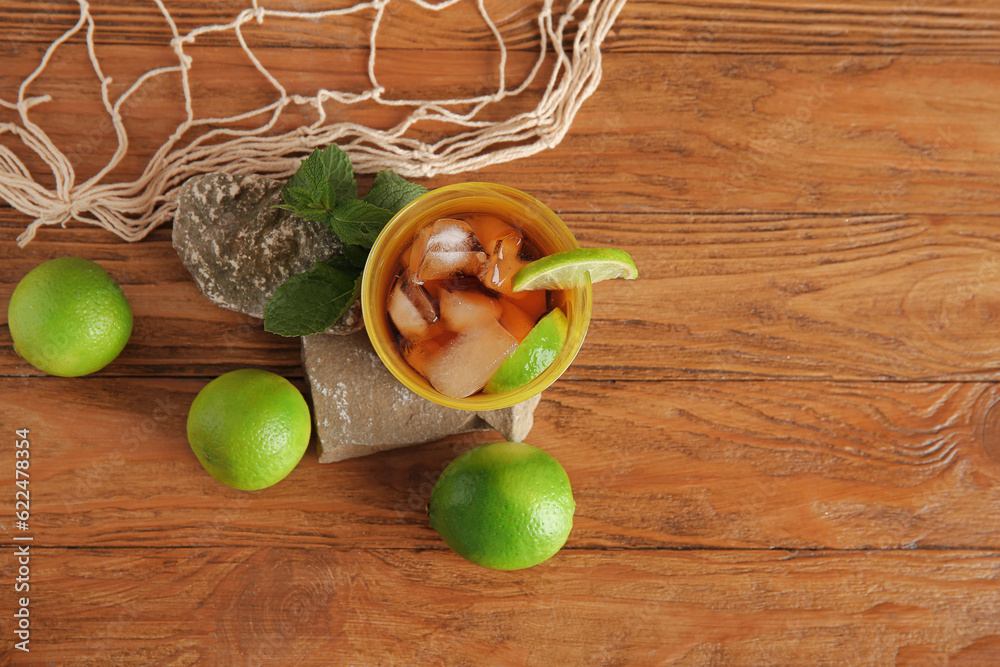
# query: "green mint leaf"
[311,302]
[314,214]
[341,263]
[391,191]
[356,255]
[301,190]
[352,260]
[331,176]
[296,196]
[297,200]
[323,180]
[357,222]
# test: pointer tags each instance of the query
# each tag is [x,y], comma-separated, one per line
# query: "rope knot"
[67,209]
[59,212]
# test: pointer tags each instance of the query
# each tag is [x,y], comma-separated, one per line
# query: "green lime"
[68,317]
[505,505]
[535,353]
[249,428]
[570,268]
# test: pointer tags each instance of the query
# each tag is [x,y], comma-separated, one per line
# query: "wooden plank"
[765,464]
[719,297]
[722,26]
[720,133]
[678,464]
[873,297]
[830,134]
[176,330]
[359,606]
[224,83]
[404,25]
[796,26]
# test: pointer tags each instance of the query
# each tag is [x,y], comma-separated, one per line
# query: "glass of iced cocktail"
[437,300]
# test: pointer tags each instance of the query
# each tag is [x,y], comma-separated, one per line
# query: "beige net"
[473,136]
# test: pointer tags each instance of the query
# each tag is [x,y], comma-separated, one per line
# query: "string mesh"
[569,42]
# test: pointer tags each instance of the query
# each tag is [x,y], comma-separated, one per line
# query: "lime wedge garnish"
[570,268]
[535,353]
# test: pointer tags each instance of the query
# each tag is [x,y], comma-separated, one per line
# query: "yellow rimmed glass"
[541,226]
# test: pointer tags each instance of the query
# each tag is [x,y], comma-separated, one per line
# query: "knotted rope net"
[570,41]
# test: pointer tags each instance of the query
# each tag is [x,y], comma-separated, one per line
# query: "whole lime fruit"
[68,317]
[249,428]
[505,505]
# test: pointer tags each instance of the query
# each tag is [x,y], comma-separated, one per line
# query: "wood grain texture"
[677,464]
[722,26]
[176,330]
[784,440]
[794,26]
[403,26]
[245,606]
[719,297]
[721,133]
[843,297]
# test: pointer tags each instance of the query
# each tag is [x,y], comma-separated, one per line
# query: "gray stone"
[513,422]
[361,408]
[239,248]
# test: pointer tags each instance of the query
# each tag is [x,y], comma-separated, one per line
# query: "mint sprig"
[323,179]
[324,190]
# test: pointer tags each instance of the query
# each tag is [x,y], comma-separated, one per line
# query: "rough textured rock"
[513,423]
[239,248]
[360,408]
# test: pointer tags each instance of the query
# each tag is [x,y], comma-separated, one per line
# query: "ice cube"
[462,310]
[449,235]
[466,363]
[504,261]
[446,248]
[411,309]
[404,257]
[516,321]
[434,288]
[442,265]
[489,228]
[419,353]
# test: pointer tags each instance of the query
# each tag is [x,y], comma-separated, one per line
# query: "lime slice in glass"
[570,268]
[535,353]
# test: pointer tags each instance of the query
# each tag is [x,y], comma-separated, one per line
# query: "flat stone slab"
[360,408]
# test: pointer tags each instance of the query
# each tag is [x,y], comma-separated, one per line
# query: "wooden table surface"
[783,440]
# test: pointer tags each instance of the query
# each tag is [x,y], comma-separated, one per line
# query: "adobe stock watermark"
[987,278]
[91,139]
[419,494]
[128,613]
[707,34]
[39,20]
[247,327]
[233,340]
[22,546]
[785,133]
[164,407]
[917,11]
[887,200]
